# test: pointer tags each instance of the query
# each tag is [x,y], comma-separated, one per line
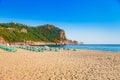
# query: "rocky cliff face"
[62,35]
[20,33]
[60,32]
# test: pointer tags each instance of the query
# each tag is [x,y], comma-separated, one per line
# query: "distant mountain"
[14,32]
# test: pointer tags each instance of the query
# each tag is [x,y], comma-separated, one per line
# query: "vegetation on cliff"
[14,32]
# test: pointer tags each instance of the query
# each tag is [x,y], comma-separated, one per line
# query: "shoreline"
[61,47]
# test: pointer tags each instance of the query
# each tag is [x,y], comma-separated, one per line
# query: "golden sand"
[63,65]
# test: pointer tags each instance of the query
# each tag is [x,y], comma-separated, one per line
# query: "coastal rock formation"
[62,35]
[75,42]
[70,42]
[20,33]
[81,42]
[15,33]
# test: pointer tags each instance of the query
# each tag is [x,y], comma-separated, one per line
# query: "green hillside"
[14,32]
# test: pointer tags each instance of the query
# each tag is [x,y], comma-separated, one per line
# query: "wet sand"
[63,65]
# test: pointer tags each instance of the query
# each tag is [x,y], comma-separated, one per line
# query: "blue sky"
[90,21]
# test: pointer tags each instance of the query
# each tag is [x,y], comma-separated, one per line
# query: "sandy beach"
[63,65]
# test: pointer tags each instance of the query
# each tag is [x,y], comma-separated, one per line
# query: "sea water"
[100,47]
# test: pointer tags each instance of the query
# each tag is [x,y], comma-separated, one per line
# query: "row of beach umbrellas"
[11,49]
[35,48]
[44,48]
[39,48]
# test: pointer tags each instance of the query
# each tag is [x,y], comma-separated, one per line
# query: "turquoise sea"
[100,47]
